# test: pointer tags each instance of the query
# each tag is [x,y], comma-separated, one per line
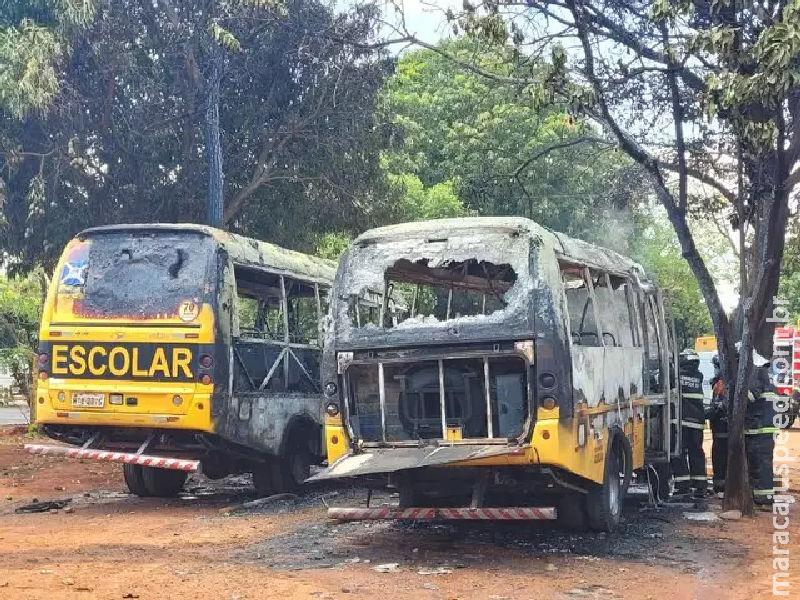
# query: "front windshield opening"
[432,291]
[138,275]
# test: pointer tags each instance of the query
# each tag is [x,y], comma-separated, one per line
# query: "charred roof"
[567,248]
[242,250]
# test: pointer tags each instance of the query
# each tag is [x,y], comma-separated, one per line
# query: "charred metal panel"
[606,374]
[397,459]
[242,250]
[364,268]
[552,333]
[260,420]
[587,374]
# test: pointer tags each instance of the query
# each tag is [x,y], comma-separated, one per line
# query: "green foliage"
[223,37]
[20,302]
[418,203]
[28,77]
[296,111]
[331,245]
[35,38]
[790,273]
[773,61]
[492,143]
[656,247]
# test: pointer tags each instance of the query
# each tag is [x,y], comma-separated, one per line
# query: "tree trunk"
[211,139]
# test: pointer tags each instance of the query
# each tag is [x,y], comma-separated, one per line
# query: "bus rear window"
[138,275]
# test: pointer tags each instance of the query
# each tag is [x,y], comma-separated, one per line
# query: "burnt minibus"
[173,348]
[511,373]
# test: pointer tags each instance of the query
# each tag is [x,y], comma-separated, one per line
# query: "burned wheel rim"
[614,495]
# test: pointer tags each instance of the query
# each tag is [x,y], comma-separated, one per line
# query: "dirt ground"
[108,544]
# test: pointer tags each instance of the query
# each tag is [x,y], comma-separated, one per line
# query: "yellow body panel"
[155,409]
[335,438]
[155,398]
[554,443]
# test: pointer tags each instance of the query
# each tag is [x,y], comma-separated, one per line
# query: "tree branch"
[557,146]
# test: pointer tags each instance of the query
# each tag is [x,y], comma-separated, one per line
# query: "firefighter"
[758,429]
[718,419]
[689,469]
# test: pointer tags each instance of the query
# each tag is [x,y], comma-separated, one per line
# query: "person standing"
[689,469]
[758,430]
[718,419]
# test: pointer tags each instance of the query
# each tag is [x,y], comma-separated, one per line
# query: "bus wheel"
[293,468]
[571,512]
[604,502]
[163,483]
[264,478]
[134,480]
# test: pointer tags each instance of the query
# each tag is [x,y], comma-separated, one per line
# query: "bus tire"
[571,512]
[134,480]
[264,478]
[163,483]
[604,501]
[293,467]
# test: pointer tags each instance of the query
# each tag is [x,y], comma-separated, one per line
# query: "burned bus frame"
[583,404]
[264,411]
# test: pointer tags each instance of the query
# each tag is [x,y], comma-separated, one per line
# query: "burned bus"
[173,348]
[509,372]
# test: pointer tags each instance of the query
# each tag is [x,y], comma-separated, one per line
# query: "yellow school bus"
[511,372]
[173,348]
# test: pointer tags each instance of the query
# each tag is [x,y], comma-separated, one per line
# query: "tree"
[657,248]
[123,139]
[701,91]
[20,306]
[789,290]
[504,150]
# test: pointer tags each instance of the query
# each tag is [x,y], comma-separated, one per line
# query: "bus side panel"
[261,420]
[552,344]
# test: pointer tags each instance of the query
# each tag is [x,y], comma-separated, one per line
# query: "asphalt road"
[13,415]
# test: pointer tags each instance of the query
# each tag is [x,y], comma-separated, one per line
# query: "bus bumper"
[145,460]
[543,513]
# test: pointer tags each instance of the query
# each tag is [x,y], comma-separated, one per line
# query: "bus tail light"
[206,361]
[43,375]
[332,409]
[548,403]
[43,359]
[205,379]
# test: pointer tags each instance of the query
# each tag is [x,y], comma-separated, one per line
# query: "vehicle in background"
[786,363]
[705,343]
[707,369]
[510,372]
[174,348]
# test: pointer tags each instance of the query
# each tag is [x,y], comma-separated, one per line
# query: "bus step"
[544,513]
[146,460]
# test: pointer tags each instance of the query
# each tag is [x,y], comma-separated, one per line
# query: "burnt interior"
[433,291]
[414,393]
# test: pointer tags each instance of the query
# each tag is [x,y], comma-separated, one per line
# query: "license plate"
[88,400]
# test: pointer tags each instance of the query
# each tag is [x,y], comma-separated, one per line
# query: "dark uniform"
[758,429]
[718,419]
[689,469]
